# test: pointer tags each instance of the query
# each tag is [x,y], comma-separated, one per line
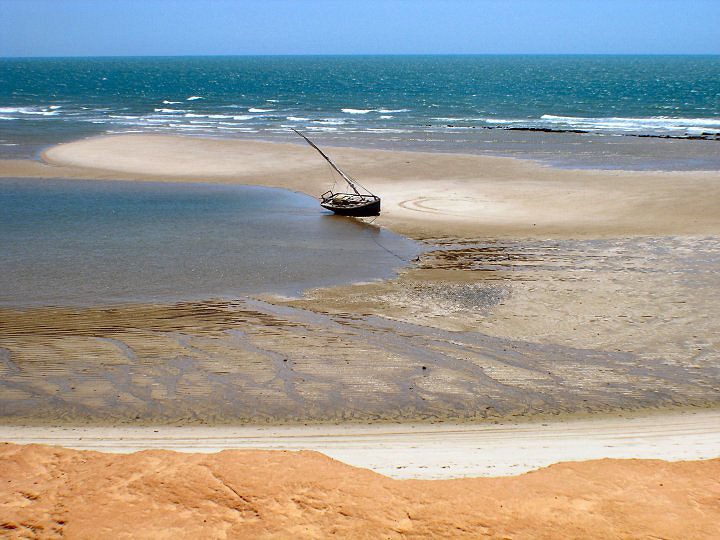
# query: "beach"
[603,300]
[438,451]
[554,315]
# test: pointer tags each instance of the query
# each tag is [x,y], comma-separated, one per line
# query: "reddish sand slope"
[51,492]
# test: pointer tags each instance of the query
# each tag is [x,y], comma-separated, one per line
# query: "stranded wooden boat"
[359,203]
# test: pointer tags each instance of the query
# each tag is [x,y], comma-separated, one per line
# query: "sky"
[241,27]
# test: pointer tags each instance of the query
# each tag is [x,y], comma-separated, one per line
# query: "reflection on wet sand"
[476,331]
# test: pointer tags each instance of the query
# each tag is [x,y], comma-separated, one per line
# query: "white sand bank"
[422,451]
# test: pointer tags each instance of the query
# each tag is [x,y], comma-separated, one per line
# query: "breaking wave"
[357,111]
[630,124]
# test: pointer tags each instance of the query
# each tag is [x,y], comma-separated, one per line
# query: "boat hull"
[366,209]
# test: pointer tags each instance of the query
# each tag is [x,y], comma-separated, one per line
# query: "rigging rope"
[351,181]
[372,237]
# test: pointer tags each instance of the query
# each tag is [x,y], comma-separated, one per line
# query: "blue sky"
[202,27]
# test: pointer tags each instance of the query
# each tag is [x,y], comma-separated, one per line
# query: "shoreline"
[420,451]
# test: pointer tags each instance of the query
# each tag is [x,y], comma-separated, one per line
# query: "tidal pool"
[65,242]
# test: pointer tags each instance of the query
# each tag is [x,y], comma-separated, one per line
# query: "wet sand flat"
[255,361]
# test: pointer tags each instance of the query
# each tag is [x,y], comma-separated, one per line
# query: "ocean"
[635,112]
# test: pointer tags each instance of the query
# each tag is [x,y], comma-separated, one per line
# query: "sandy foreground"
[53,492]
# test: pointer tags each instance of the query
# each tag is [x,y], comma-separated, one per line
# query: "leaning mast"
[330,161]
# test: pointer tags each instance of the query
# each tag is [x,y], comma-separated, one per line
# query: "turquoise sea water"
[79,243]
[483,104]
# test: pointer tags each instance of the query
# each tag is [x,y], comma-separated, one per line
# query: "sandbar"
[425,195]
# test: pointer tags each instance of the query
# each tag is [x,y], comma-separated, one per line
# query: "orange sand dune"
[51,492]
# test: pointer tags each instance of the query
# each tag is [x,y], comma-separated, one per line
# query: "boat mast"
[330,161]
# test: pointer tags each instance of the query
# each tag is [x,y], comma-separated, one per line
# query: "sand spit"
[54,492]
[424,194]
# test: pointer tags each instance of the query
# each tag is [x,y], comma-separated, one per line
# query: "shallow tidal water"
[86,243]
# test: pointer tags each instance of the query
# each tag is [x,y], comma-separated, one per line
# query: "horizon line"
[328,55]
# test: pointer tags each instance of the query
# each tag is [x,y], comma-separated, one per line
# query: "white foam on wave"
[366,111]
[259,110]
[701,130]
[193,98]
[213,116]
[356,111]
[502,120]
[244,117]
[331,122]
[297,119]
[38,111]
[386,117]
[166,102]
[156,120]
[384,130]
[633,124]
[7,118]
[186,127]
[272,100]
[170,111]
